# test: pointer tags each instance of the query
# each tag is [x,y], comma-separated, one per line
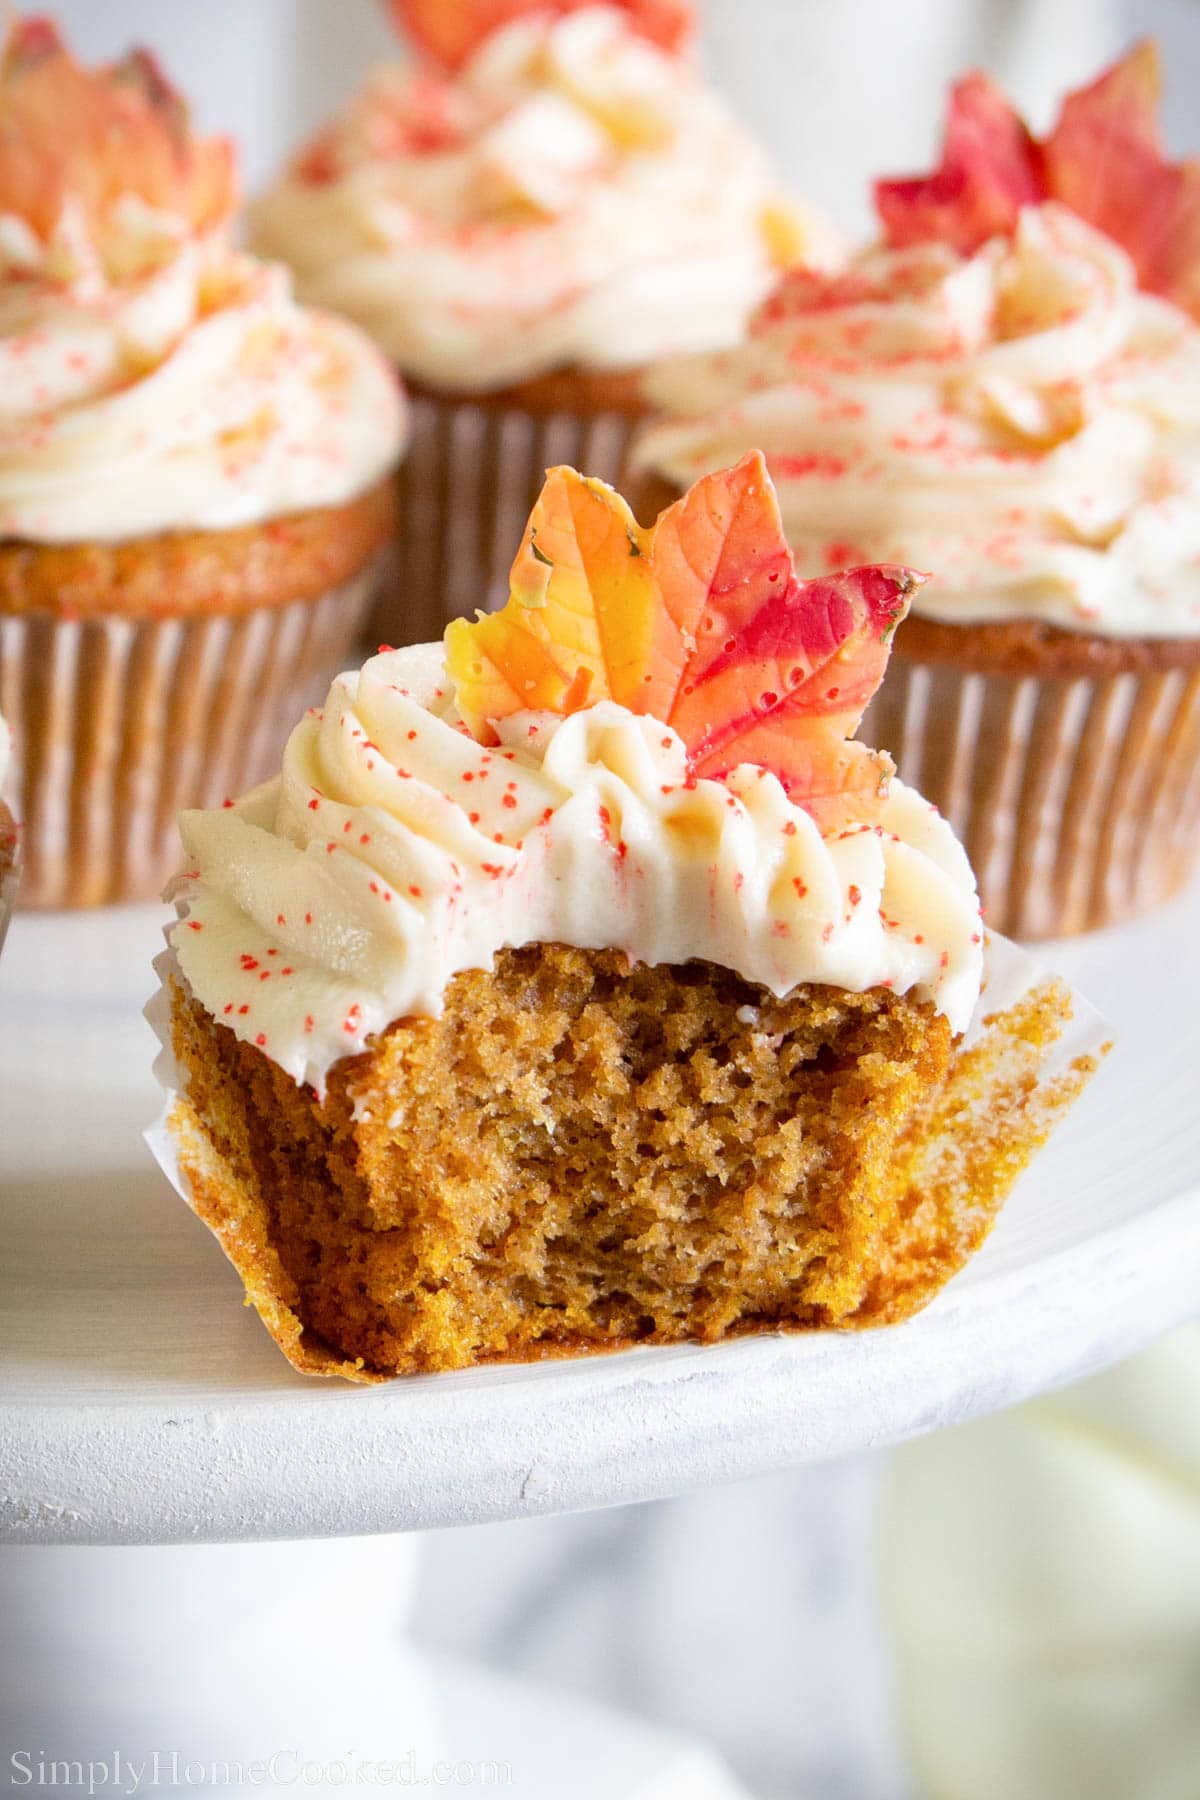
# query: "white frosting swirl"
[574,197]
[1024,423]
[174,386]
[395,850]
[5,754]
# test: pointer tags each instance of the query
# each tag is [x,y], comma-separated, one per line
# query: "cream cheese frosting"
[160,381]
[1025,423]
[573,197]
[395,850]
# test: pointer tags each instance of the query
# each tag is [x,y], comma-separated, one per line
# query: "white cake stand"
[140,1404]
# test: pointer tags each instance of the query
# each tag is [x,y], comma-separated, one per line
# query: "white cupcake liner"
[1009,1079]
[467,484]
[1077,798]
[119,723]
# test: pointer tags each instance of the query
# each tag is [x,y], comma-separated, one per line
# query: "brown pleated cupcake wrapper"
[468,481]
[119,723]
[1078,800]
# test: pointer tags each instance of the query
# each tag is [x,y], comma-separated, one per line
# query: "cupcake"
[9,841]
[545,202]
[582,981]
[196,476]
[1005,390]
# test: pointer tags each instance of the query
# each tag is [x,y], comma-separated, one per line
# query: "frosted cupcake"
[584,981]
[196,492]
[1006,391]
[526,218]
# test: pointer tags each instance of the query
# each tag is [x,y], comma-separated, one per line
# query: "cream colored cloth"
[1042,1577]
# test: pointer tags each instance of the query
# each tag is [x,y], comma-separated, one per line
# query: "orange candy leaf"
[69,134]
[1104,159]
[835,779]
[450,31]
[699,621]
[719,554]
[577,625]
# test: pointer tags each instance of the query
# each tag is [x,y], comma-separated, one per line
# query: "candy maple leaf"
[450,31]
[990,169]
[1104,159]
[68,134]
[698,620]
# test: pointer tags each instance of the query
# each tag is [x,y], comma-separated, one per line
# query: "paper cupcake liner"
[1008,1088]
[467,483]
[1078,799]
[119,723]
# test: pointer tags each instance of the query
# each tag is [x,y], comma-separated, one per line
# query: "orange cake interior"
[582,1155]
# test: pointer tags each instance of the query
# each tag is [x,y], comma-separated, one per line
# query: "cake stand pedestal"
[141,1405]
[263,1668]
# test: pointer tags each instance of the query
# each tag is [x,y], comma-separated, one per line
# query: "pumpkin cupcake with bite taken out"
[196,475]
[1005,391]
[584,981]
[545,202]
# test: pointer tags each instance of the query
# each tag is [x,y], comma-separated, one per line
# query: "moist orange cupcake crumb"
[582,1155]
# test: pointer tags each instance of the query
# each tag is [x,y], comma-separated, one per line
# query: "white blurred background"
[752,1615]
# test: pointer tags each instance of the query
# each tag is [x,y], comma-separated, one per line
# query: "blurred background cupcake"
[528,215]
[1005,390]
[196,494]
[9,840]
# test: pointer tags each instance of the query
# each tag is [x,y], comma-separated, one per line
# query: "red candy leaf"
[990,169]
[789,694]
[1104,159]
[698,620]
